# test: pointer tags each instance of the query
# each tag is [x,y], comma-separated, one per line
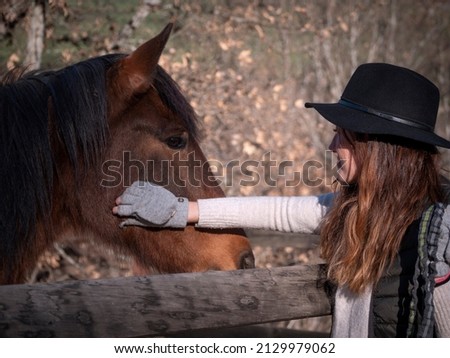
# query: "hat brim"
[362,122]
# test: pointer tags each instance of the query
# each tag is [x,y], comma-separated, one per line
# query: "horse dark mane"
[173,98]
[65,109]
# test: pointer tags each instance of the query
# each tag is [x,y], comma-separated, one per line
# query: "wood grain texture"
[162,304]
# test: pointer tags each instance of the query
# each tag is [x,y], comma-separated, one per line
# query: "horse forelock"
[173,98]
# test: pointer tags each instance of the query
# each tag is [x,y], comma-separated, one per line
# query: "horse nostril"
[247,260]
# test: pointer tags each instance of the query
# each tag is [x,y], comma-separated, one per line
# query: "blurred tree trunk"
[35,32]
[138,18]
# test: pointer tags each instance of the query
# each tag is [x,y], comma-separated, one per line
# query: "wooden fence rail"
[163,304]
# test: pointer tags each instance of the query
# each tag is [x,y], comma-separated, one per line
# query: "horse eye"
[176,142]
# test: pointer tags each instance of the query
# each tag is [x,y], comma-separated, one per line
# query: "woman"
[384,233]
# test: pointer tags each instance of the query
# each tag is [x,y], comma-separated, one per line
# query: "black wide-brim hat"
[388,100]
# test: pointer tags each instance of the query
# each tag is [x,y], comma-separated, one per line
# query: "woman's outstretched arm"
[287,214]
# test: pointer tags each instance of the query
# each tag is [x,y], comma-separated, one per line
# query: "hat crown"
[395,91]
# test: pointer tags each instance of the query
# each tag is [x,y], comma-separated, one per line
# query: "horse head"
[73,139]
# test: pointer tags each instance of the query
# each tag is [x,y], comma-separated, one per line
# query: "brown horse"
[72,139]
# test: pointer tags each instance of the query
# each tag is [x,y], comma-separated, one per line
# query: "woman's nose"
[333,144]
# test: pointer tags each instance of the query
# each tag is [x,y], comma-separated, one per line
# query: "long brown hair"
[361,235]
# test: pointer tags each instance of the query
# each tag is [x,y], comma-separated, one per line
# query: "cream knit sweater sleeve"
[288,214]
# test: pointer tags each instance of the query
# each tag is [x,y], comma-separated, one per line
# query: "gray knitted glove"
[151,205]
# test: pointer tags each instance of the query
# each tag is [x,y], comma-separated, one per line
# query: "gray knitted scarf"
[425,271]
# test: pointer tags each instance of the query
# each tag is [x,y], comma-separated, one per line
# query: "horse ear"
[140,64]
